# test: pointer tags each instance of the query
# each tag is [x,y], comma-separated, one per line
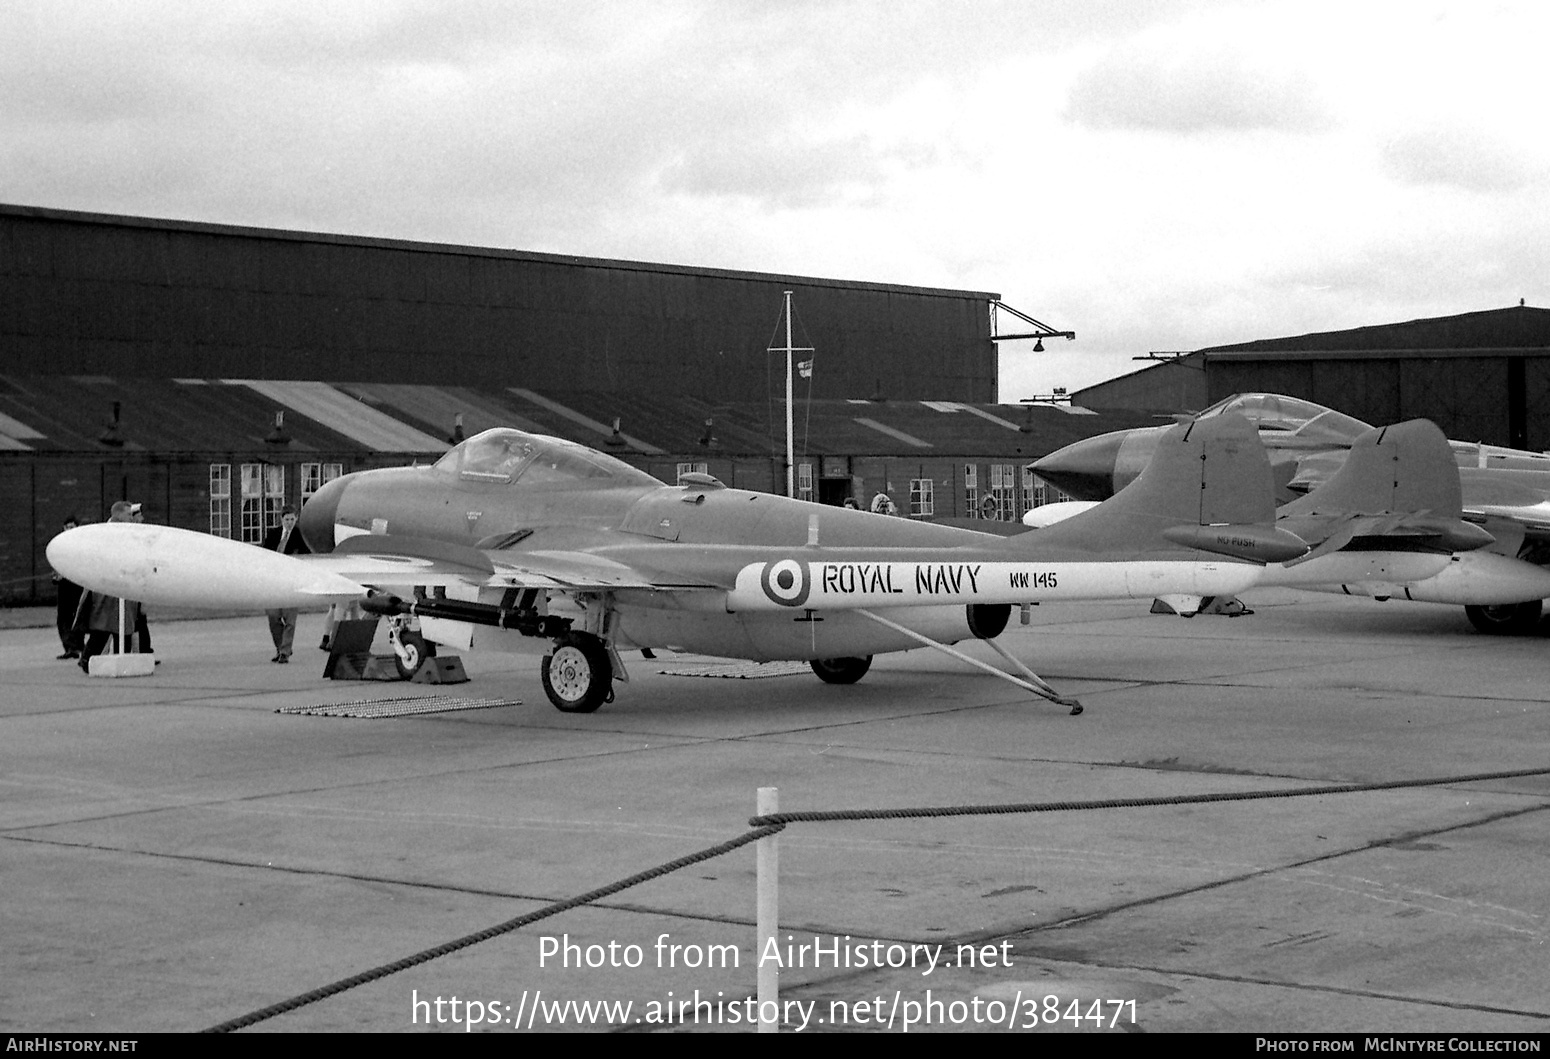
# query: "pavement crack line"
[982,937]
[323,789]
[382,880]
[680,741]
[1188,891]
[1370,994]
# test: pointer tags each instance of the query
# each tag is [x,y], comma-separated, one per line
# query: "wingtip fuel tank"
[177,567]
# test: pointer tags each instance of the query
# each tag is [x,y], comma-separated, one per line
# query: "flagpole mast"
[791,467]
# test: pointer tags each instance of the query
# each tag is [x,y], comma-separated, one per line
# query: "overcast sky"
[1151,175]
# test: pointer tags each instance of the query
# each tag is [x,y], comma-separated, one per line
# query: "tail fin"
[1397,482]
[1208,486]
[1407,467]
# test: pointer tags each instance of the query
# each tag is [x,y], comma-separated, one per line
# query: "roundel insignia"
[785,582]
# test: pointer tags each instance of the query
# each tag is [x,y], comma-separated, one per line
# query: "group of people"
[89,621]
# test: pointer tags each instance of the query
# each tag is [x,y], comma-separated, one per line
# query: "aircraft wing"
[1508,498]
[177,567]
[382,559]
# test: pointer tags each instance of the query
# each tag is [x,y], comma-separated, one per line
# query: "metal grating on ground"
[740,670]
[401,706]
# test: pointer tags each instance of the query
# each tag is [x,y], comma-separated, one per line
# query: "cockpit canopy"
[506,455]
[1274,411]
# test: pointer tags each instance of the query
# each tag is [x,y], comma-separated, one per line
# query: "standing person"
[142,628]
[97,614]
[348,610]
[286,540]
[69,599]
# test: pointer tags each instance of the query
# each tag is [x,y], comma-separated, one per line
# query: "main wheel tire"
[577,676]
[841,670]
[415,650]
[1506,619]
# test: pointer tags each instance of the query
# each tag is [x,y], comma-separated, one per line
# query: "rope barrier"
[774,823]
[1122,803]
[490,932]
[25,580]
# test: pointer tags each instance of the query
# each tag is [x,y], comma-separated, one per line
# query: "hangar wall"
[1481,376]
[1165,387]
[89,294]
[1468,396]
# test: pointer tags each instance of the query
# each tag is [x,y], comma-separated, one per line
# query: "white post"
[120,646]
[791,466]
[767,917]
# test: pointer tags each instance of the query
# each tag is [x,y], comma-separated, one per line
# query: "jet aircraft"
[1504,491]
[513,535]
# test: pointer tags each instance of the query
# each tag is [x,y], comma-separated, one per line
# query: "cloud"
[1134,88]
[1470,159]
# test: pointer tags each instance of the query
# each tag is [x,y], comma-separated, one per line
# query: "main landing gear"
[578,675]
[1506,619]
[841,670]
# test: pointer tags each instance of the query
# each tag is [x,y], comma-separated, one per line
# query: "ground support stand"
[350,658]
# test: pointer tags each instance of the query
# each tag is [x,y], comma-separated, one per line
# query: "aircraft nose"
[1084,469]
[318,514]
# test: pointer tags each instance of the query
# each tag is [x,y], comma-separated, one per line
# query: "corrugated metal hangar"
[217,373]
[86,294]
[1481,376]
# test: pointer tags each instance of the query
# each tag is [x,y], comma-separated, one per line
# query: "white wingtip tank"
[177,567]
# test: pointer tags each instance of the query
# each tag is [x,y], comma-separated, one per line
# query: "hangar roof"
[70,414]
[79,217]
[1519,328]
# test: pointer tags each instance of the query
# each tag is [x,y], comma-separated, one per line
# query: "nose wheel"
[577,675]
[410,649]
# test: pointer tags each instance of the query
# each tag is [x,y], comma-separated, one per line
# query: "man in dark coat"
[286,539]
[97,616]
[142,627]
[69,598]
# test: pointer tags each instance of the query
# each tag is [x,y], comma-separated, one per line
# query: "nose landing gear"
[410,648]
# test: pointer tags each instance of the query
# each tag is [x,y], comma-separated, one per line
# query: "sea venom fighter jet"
[514,535]
[1505,491]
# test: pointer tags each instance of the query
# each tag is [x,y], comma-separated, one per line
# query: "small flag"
[805,369]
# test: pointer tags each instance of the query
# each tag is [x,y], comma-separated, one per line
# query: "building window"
[315,476]
[971,490]
[1003,490]
[1041,492]
[691,468]
[922,498]
[263,495]
[220,499]
[804,481]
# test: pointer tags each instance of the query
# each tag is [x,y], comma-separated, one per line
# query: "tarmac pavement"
[174,853]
